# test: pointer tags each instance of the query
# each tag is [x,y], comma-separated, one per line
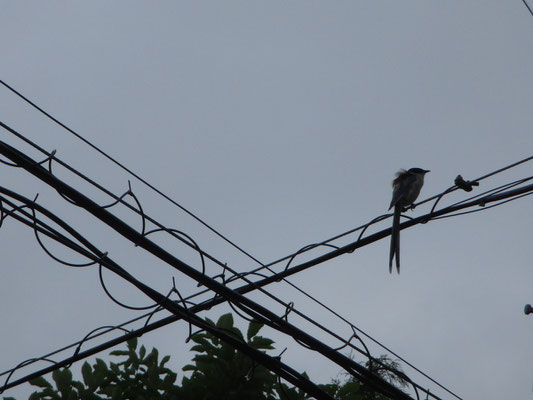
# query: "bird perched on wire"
[405,189]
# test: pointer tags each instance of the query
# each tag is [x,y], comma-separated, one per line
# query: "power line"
[529,8]
[118,199]
[242,276]
[516,192]
[488,175]
[262,265]
[492,198]
[248,306]
[55,235]
[152,187]
[52,156]
[272,363]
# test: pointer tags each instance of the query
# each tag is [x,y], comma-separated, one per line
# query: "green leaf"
[199,338]
[142,352]
[100,372]
[50,393]
[87,373]
[349,389]
[200,348]
[119,353]
[236,332]
[114,368]
[132,344]
[189,367]
[164,361]
[260,342]
[78,386]
[63,379]
[253,328]
[330,388]
[225,321]
[40,382]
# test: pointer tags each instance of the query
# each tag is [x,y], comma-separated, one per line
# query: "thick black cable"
[479,201]
[173,232]
[271,363]
[152,187]
[255,272]
[244,303]
[31,223]
[378,219]
[455,187]
[484,201]
[33,205]
[119,199]
[271,271]
[311,296]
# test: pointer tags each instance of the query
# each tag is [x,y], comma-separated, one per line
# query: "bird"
[405,189]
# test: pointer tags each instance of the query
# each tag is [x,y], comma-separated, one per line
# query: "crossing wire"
[237,276]
[129,171]
[245,304]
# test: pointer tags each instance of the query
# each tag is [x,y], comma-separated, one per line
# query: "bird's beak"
[426,171]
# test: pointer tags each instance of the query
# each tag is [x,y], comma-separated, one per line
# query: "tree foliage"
[217,371]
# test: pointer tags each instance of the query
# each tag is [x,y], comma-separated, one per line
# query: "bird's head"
[418,171]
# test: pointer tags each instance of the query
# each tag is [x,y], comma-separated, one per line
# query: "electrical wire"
[120,199]
[263,266]
[337,236]
[250,307]
[269,362]
[503,195]
[517,191]
[506,194]
[351,231]
[129,171]
[354,230]
[528,8]
[100,257]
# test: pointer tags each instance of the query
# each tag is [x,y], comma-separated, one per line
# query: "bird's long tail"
[395,239]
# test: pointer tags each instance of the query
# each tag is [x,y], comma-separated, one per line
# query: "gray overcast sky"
[282,124]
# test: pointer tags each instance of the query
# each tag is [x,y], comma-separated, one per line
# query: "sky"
[280,125]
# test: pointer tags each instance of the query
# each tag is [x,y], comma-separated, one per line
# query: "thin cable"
[183,208]
[354,230]
[118,199]
[506,194]
[527,5]
[131,172]
[178,204]
[372,339]
[454,188]
[341,235]
[293,285]
[240,276]
[273,364]
[371,379]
